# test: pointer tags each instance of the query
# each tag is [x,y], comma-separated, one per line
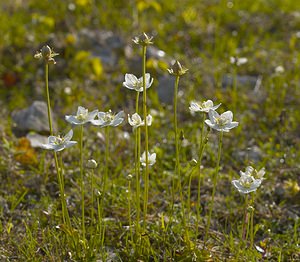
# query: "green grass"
[200,34]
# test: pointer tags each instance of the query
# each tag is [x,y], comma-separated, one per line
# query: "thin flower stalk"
[129,207]
[146,177]
[59,175]
[92,164]
[177,163]
[201,150]
[66,216]
[215,179]
[137,153]
[82,183]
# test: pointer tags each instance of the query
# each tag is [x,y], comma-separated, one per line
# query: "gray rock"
[249,81]
[33,118]
[165,89]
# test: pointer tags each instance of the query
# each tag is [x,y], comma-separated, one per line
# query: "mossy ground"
[203,35]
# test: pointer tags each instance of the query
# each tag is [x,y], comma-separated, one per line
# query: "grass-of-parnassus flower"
[143,39]
[203,107]
[151,159]
[136,121]
[109,119]
[249,180]
[82,116]
[177,69]
[58,143]
[134,83]
[47,54]
[222,123]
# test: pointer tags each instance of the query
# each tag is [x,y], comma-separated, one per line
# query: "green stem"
[82,183]
[137,167]
[59,175]
[93,196]
[146,138]
[48,98]
[252,222]
[201,149]
[104,185]
[177,164]
[66,216]
[215,179]
[245,220]
[129,210]
[177,171]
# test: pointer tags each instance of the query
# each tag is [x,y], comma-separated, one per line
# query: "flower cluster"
[249,180]
[136,121]
[222,123]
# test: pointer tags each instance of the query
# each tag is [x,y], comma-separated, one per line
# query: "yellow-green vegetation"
[103,199]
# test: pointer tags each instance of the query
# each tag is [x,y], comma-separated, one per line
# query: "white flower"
[238,60]
[83,116]
[108,119]
[134,83]
[151,159]
[249,181]
[202,107]
[136,121]
[58,143]
[221,122]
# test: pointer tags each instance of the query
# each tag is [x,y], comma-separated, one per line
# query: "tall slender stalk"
[66,217]
[60,179]
[251,221]
[137,154]
[93,195]
[201,149]
[245,220]
[215,179]
[177,163]
[146,137]
[129,207]
[82,183]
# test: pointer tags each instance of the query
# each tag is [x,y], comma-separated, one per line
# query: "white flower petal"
[212,114]
[73,120]
[231,125]
[209,123]
[70,143]
[92,115]
[227,115]
[81,110]
[68,136]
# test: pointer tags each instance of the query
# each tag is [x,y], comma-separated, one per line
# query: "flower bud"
[177,69]
[143,40]
[92,164]
[47,54]
[250,209]
[193,162]
[46,51]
